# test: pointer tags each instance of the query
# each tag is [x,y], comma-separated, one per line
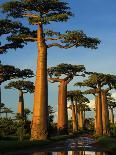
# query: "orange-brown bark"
[40,111]
[21,104]
[81,119]
[73,118]
[62,108]
[111,116]
[96,111]
[105,115]
[76,112]
[99,129]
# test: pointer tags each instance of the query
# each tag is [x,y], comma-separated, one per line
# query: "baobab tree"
[8,72]
[7,29]
[77,113]
[63,73]
[41,13]
[7,111]
[101,84]
[111,105]
[23,87]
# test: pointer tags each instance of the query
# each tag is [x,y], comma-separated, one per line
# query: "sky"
[97,19]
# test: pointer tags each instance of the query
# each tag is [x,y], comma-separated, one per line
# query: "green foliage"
[65,69]
[8,72]
[10,29]
[7,126]
[45,11]
[78,96]
[25,86]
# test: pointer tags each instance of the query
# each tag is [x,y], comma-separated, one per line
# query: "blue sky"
[97,19]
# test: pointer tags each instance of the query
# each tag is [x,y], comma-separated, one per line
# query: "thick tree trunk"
[39,130]
[21,104]
[76,109]
[73,117]
[81,119]
[96,111]
[99,129]
[105,117]
[111,116]
[62,109]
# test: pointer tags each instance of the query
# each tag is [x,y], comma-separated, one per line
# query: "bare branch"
[48,39]
[52,80]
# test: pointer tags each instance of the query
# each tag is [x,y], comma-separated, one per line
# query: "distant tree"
[112,105]
[27,112]
[41,13]
[79,108]
[8,72]
[100,84]
[23,87]
[63,73]
[6,111]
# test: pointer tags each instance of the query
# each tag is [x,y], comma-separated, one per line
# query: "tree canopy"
[25,86]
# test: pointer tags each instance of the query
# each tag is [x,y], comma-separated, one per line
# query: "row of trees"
[41,13]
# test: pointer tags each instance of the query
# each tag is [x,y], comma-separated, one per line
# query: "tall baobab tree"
[8,72]
[40,13]
[63,73]
[101,84]
[23,87]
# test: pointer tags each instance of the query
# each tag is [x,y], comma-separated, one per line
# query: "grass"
[108,142]
[12,144]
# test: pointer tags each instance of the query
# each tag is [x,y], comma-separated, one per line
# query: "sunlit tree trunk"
[76,114]
[73,116]
[96,111]
[21,103]
[81,119]
[111,116]
[62,153]
[99,129]
[105,117]
[39,130]
[62,108]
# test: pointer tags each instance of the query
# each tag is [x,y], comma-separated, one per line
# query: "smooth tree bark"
[62,124]
[111,116]
[99,129]
[74,123]
[40,111]
[21,103]
[96,112]
[105,112]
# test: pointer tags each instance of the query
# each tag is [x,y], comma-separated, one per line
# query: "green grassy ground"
[11,144]
[108,142]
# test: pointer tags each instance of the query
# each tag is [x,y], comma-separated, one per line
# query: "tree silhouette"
[40,13]
[23,87]
[63,73]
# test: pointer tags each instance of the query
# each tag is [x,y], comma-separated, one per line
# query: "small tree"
[41,13]
[8,72]
[63,73]
[23,87]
